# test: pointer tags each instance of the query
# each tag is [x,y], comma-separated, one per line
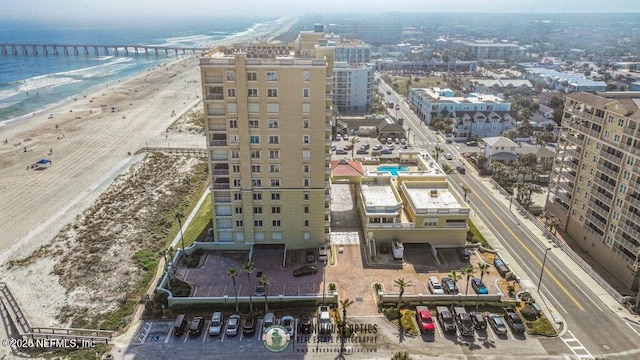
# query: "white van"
[323,253]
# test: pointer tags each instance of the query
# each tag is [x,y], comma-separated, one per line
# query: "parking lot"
[374,146]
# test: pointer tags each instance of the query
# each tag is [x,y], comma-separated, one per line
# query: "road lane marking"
[533,256]
[575,349]
[634,330]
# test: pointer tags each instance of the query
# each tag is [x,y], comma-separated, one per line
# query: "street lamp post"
[544,260]
[179,216]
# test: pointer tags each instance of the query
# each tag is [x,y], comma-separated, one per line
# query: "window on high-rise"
[272,76]
[235,168]
[231,92]
[274,139]
[305,93]
[255,154]
[273,108]
[254,124]
[275,196]
[305,182]
[306,139]
[276,223]
[253,108]
[306,108]
[233,124]
[257,209]
[274,168]
[252,92]
[257,196]
[272,123]
[305,123]
[306,154]
[232,108]
[235,154]
[234,139]
[252,76]
[272,93]
[231,76]
[257,223]
[275,182]
[275,209]
[274,154]
[256,182]
[306,75]
[254,139]
[256,168]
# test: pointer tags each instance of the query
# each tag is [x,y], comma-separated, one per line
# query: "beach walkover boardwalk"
[19,327]
[97,50]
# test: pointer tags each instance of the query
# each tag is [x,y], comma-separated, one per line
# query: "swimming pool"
[393,169]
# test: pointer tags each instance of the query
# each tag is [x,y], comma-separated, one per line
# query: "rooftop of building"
[430,198]
[379,193]
[573,79]
[630,101]
[488,43]
[502,82]
[499,141]
[436,95]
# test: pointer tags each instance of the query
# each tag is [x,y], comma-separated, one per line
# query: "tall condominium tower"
[268,110]
[595,187]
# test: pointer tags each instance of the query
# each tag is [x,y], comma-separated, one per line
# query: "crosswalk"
[576,346]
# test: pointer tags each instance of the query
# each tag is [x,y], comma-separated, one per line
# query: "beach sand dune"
[89,145]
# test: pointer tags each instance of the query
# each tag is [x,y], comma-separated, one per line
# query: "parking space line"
[186,336]
[166,340]
[241,329]
[206,332]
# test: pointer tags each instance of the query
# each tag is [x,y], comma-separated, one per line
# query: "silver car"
[233,324]
[216,324]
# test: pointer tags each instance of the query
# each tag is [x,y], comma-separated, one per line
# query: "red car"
[423,317]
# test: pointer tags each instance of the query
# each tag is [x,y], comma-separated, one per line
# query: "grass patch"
[197,230]
[540,326]
[146,259]
[478,236]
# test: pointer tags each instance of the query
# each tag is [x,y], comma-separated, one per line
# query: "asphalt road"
[592,328]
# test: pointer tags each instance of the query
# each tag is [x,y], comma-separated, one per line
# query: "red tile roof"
[346,168]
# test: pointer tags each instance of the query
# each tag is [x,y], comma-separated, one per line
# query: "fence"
[566,249]
[392,298]
[171,150]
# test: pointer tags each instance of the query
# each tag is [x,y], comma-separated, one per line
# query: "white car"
[287,321]
[435,287]
[324,320]
[448,156]
[233,324]
[216,324]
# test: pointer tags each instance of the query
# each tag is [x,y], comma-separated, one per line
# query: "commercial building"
[485,50]
[377,30]
[268,110]
[475,115]
[595,184]
[353,51]
[352,87]
[556,80]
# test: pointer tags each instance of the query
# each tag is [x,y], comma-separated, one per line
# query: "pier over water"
[96,50]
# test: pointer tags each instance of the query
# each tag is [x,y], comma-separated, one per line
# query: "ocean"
[33,83]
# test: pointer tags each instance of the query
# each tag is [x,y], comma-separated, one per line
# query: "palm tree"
[401,284]
[437,151]
[546,216]
[249,269]
[468,271]
[402,355]
[455,277]
[553,222]
[448,169]
[465,190]
[345,304]
[264,279]
[233,274]
[353,141]
[484,269]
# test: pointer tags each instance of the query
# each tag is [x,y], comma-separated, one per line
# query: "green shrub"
[180,288]
[510,276]
[377,286]
[191,260]
[407,322]
[529,312]
[332,287]
[147,260]
[391,313]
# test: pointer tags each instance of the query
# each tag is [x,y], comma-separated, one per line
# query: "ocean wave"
[91,70]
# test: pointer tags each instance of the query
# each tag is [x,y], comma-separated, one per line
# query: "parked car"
[323,253]
[389,147]
[180,325]
[269,320]
[448,156]
[195,328]
[445,318]
[389,140]
[472,143]
[514,321]
[341,152]
[305,270]
[348,147]
[435,287]
[388,92]
[479,322]
[324,320]
[463,320]
[260,289]
[403,141]
[461,169]
[397,107]
[338,137]
[478,286]
[386,151]
[397,141]
[365,146]
[362,152]
[500,266]
[333,148]
[232,325]
[305,325]
[463,253]
[423,317]
[216,324]
[288,322]
[449,286]
[377,147]
[249,326]
[497,323]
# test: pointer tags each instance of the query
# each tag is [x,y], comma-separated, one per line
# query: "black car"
[305,326]
[249,327]
[195,328]
[310,257]
[449,286]
[461,169]
[479,322]
[463,253]
[305,270]
[341,152]
[362,152]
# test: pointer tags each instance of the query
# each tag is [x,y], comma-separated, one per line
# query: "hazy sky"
[57,10]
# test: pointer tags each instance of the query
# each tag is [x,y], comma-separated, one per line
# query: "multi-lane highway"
[590,328]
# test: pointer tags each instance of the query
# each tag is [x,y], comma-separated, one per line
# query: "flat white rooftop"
[431,199]
[379,196]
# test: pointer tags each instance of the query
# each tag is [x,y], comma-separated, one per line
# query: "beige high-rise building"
[595,186]
[268,112]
